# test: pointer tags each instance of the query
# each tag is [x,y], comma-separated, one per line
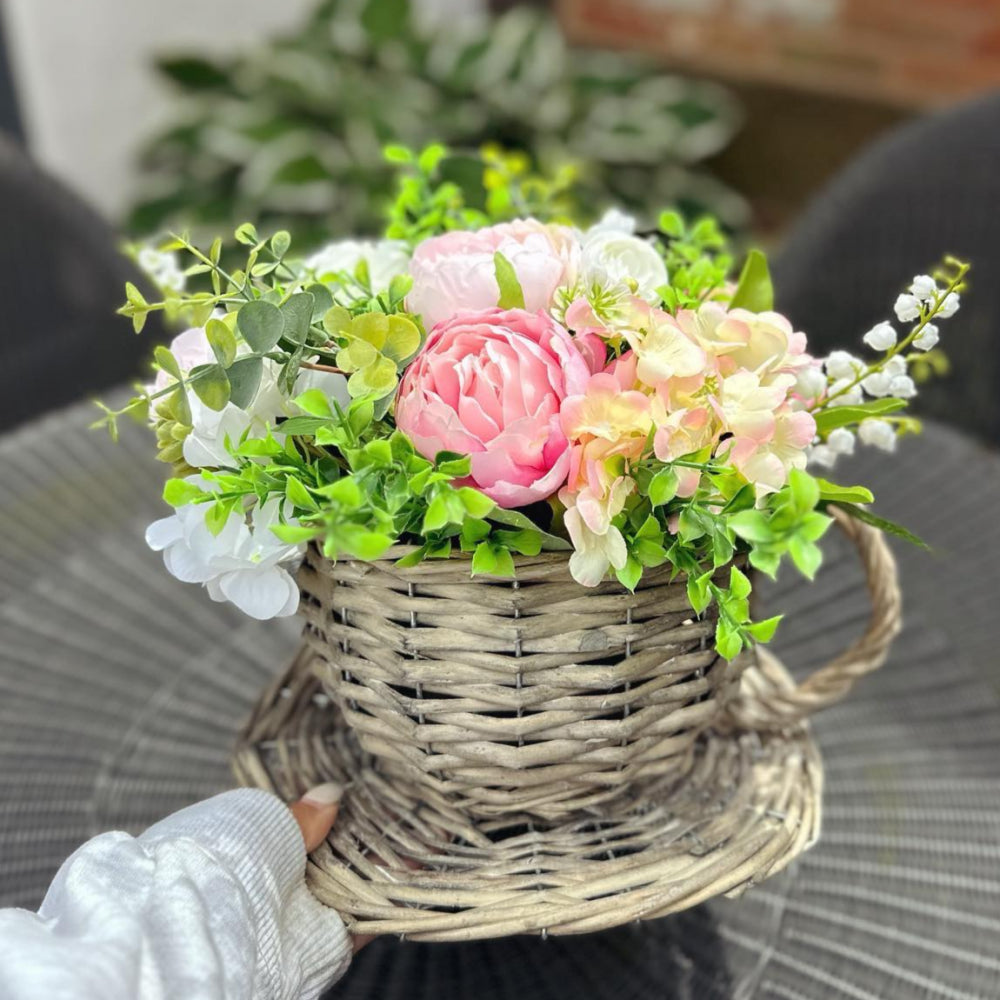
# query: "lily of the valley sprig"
[482,383]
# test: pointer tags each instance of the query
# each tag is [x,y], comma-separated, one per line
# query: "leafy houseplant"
[290,135]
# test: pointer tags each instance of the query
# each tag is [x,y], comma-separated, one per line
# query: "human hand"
[316,813]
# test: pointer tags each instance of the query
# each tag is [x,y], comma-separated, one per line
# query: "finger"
[316,811]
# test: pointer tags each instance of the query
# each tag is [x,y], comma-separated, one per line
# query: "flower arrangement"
[496,382]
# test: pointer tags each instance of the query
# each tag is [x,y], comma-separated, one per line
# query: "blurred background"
[855,138]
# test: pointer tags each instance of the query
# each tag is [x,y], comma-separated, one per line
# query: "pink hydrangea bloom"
[491,385]
[456,271]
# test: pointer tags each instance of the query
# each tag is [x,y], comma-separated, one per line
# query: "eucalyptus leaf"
[222,341]
[297,314]
[210,385]
[261,323]
[244,380]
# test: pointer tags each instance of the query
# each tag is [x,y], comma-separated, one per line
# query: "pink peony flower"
[456,271]
[491,385]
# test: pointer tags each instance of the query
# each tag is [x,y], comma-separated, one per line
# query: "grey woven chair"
[930,187]
[61,279]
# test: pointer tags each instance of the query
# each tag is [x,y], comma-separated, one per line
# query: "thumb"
[316,811]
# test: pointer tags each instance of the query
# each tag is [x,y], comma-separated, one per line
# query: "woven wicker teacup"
[538,697]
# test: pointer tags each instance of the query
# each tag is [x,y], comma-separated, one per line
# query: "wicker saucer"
[750,806]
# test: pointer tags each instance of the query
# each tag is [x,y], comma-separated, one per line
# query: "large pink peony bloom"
[491,384]
[456,271]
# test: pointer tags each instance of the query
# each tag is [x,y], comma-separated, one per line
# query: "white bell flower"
[879,433]
[244,563]
[878,384]
[949,305]
[842,365]
[903,386]
[841,441]
[927,338]
[880,337]
[924,287]
[821,454]
[840,395]
[907,308]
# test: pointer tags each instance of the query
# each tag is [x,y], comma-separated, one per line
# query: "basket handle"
[773,702]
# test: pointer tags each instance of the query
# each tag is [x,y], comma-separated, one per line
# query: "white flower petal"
[186,564]
[164,532]
[261,594]
[880,337]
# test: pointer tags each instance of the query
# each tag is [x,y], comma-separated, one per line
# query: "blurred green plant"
[291,134]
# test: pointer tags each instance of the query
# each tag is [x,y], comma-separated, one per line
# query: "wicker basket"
[553,758]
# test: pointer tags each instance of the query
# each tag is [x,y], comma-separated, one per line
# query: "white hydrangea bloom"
[881,337]
[878,433]
[386,259]
[907,308]
[927,338]
[842,365]
[613,256]
[244,563]
[949,305]
[841,441]
[924,287]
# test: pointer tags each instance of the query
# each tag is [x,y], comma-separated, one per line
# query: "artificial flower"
[612,256]
[881,337]
[385,259]
[490,385]
[878,433]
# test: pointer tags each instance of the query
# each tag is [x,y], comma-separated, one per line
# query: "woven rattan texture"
[399,864]
[535,696]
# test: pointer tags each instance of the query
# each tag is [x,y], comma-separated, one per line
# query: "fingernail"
[324,795]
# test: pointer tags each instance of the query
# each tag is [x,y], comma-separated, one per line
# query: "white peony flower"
[880,337]
[386,259]
[242,564]
[841,441]
[927,338]
[842,365]
[613,256]
[949,306]
[879,433]
[907,308]
[924,287]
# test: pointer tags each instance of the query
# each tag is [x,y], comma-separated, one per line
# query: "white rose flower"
[386,259]
[841,441]
[242,564]
[880,337]
[927,338]
[924,287]
[949,306]
[612,256]
[879,433]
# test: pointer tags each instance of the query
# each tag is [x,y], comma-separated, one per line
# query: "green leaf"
[504,563]
[216,517]
[436,516]
[246,234]
[698,591]
[167,362]
[883,524]
[314,402]
[527,543]
[280,242]
[303,426]
[511,293]
[663,487]
[739,584]
[344,492]
[413,558]
[841,416]
[297,315]
[222,341]
[515,519]
[763,631]
[477,504]
[261,324]
[845,494]
[180,493]
[294,534]
[210,385]
[484,559]
[804,491]
[671,224]
[727,641]
[807,556]
[244,376]
[366,545]
[299,495]
[751,525]
[322,301]
[630,574]
[754,290]
[385,19]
